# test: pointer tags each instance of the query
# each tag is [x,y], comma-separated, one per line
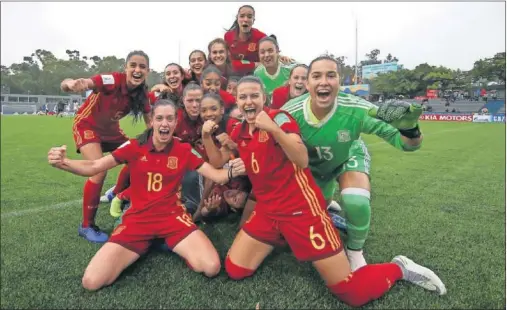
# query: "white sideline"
[79,201]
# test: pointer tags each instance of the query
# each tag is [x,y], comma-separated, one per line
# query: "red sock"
[91,199]
[123,180]
[236,272]
[367,283]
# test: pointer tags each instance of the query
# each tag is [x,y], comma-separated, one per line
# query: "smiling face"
[218,54]
[137,70]
[163,121]
[245,19]
[297,82]
[211,83]
[323,83]
[197,62]
[173,77]
[212,110]
[231,87]
[250,100]
[192,102]
[268,54]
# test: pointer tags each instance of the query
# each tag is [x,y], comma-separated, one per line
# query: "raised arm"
[87,168]
[77,86]
[222,176]
[217,157]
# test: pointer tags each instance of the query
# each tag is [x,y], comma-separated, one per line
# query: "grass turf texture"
[442,206]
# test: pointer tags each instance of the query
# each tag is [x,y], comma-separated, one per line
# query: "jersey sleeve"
[152,97]
[387,132]
[127,152]
[231,124]
[229,100]
[107,82]
[235,133]
[286,122]
[194,160]
[279,97]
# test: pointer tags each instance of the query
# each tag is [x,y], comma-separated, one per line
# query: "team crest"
[263,136]
[172,162]
[88,134]
[343,136]
[252,47]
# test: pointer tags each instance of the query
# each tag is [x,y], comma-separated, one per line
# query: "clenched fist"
[75,86]
[208,128]
[57,155]
[263,121]
[226,141]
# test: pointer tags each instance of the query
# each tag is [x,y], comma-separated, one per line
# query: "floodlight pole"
[356,54]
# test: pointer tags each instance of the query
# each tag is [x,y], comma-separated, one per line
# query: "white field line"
[79,201]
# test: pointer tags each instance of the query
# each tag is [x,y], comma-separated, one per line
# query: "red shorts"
[109,141]
[138,236]
[310,237]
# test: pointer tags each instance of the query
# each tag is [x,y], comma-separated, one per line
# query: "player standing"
[296,86]
[158,163]
[331,124]
[96,126]
[290,205]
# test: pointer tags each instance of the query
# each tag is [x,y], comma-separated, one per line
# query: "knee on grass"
[210,267]
[93,283]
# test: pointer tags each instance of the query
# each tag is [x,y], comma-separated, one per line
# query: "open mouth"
[323,94]
[137,77]
[173,82]
[197,68]
[245,26]
[299,87]
[250,112]
[164,133]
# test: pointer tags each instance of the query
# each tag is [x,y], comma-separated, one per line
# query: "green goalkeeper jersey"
[329,140]
[272,82]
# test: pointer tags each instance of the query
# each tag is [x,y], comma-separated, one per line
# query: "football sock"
[356,204]
[367,283]
[236,272]
[123,180]
[91,198]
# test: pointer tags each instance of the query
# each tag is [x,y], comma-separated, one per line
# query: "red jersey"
[187,130]
[156,177]
[228,99]
[244,50]
[280,96]
[279,186]
[108,104]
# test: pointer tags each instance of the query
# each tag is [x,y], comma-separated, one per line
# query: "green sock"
[356,204]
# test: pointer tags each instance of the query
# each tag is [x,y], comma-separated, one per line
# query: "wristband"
[411,133]
[229,173]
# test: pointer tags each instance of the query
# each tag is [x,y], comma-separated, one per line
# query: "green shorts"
[359,160]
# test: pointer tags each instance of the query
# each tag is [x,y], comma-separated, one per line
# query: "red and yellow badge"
[118,230]
[252,47]
[263,136]
[172,162]
[88,134]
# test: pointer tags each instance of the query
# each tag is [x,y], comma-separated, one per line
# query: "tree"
[390,58]
[490,69]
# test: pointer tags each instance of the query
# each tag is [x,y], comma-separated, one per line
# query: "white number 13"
[324,152]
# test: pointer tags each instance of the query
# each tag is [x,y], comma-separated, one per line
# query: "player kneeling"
[157,162]
[291,206]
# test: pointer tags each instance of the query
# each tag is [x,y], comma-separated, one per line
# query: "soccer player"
[211,82]
[331,124]
[197,61]
[174,76]
[60,107]
[158,163]
[296,86]
[96,126]
[243,40]
[272,72]
[219,56]
[291,206]
[232,82]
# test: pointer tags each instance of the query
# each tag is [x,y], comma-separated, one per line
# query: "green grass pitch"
[443,206]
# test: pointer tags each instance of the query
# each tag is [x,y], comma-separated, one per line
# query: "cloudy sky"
[449,34]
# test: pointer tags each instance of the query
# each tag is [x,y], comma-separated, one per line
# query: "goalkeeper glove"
[399,114]
[115,209]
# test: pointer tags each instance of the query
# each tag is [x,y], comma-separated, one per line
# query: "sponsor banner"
[482,118]
[371,71]
[357,90]
[498,118]
[432,93]
[446,117]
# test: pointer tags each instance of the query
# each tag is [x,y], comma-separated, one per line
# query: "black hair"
[215,97]
[235,25]
[191,86]
[143,137]
[271,39]
[322,57]
[254,79]
[139,95]
[210,69]
[233,79]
